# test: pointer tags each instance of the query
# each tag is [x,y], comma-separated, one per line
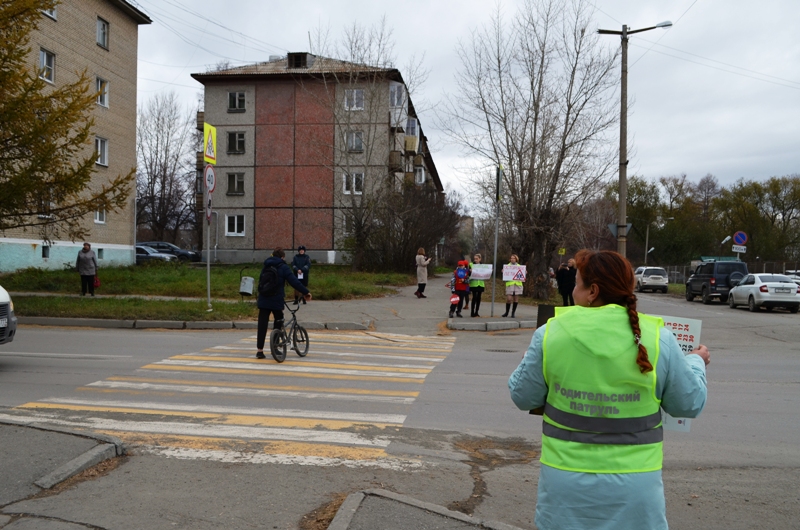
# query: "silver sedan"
[766,290]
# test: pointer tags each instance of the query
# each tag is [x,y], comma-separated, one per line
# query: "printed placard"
[481,271]
[687,331]
[514,273]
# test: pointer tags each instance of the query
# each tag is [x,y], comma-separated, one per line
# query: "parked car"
[766,290]
[8,321]
[146,254]
[714,280]
[651,279]
[168,248]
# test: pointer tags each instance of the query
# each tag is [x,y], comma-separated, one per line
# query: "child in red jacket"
[459,285]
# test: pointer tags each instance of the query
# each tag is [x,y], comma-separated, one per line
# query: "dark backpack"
[269,282]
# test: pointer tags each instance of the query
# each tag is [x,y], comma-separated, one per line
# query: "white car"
[8,322]
[766,290]
[651,279]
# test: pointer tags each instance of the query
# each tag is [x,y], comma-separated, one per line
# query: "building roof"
[315,65]
[132,11]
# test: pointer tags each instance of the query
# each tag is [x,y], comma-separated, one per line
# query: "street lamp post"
[647,239]
[622,226]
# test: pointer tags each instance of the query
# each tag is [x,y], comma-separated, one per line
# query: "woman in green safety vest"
[513,290]
[599,372]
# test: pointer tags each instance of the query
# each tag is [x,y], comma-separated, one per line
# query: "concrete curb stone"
[345,325]
[466,325]
[88,459]
[503,324]
[100,438]
[76,322]
[245,324]
[209,325]
[162,324]
[313,325]
[527,324]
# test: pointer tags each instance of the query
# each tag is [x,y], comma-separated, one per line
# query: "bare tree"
[676,189]
[535,96]
[165,177]
[706,191]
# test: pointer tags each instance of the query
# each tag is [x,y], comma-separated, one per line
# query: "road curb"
[90,458]
[177,324]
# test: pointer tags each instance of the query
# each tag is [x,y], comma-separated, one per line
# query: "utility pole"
[496,230]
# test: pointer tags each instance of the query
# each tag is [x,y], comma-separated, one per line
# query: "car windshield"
[148,250]
[774,278]
[655,272]
[727,268]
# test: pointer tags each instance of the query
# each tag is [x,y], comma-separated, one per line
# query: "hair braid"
[641,357]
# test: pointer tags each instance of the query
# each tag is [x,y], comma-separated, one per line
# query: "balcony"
[201,120]
[412,144]
[395,161]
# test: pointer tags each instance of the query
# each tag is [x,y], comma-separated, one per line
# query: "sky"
[717,93]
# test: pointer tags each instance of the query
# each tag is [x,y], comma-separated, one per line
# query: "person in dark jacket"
[565,277]
[87,268]
[274,304]
[301,264]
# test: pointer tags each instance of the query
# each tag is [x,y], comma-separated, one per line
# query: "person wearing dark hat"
[301,264]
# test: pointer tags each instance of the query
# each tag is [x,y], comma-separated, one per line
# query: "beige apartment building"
[101,37]
[301,139]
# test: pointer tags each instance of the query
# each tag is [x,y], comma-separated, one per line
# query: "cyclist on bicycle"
[271,300]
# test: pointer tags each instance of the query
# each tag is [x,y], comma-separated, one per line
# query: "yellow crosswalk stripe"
[281,374]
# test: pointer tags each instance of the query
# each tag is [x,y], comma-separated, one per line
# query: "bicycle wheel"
[277,344]
[300,341]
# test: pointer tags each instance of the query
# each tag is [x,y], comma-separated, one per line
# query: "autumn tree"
[47,158]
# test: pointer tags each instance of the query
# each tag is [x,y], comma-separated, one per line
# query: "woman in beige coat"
[422,272]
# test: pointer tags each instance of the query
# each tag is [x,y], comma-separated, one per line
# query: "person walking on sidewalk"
[565,277]
[87,268]
[422,272]
[476,287]
[271,295]
[599,373]
[301,264]
[513,290]
[459,286]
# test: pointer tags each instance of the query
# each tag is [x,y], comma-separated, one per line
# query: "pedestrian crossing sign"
[209,143]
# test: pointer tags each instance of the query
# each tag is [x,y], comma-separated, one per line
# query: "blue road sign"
[740,238]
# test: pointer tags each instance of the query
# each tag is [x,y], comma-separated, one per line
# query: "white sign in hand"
[687,331]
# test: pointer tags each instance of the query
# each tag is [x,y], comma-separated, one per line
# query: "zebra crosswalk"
[339,405]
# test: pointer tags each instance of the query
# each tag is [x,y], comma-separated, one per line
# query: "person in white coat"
[422,272]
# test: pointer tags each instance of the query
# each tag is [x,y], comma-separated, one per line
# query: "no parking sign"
[740,238]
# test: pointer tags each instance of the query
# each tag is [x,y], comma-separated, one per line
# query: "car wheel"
[183,259]
[706,296]
[751,304]
[723,298]
[664,290]
[689,295]
[731,302]
[638,287]
[793,309]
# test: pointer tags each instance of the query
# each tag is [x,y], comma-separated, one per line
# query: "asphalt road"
[221,441]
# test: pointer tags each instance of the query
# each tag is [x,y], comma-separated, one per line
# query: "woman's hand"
[702,351]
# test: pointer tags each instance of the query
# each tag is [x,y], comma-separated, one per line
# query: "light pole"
[647,239]
[727,238]
[622,227]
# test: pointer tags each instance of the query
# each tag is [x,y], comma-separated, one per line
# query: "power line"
[664,35]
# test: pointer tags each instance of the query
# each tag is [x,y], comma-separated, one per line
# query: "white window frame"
[236,150]
[47,65]
[397,95]
[238,230]
[50,13]
[352,97]
[412,127]
[103,31]
[238,98]
[100,217]
[102,91]
[101,147]
[419,175]
[353,184]
[355,141]
[237,179]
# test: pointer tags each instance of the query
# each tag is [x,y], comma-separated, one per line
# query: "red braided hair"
[613,275]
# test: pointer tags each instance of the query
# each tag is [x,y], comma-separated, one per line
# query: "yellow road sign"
[562,251]
[209,143]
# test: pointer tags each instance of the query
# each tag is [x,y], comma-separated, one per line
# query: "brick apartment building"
[100,36]
[300,140]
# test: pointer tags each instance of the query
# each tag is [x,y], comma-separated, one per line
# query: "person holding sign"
[476,287]
[513,289]
[599,373]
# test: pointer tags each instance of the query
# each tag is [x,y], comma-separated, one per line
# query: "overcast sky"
[717,93]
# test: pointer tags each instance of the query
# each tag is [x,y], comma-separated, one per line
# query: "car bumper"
[654,285]
[778,301]
[7,332]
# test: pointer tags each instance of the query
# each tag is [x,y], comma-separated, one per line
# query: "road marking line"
[421,368]
[241,371]
[309,368]
[375,355]
[239,411]
[61,355]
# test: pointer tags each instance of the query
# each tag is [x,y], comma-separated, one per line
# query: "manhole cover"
[502,351]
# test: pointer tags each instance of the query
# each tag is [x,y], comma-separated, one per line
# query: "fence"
[680,273]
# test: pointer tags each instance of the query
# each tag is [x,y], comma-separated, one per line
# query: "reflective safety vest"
[601,414]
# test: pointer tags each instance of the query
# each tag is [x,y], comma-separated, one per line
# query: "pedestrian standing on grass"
[459,286]
[422,262]
[476,287]
[272,301]
[301,264]
[513,290]
[601,458]
[87,268]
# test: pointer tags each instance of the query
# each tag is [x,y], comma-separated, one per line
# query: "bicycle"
[279,338]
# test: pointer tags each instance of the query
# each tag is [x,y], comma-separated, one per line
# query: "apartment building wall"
[72,36]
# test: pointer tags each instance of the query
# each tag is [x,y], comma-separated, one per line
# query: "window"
[419,175]
[235,101]
[102,32]
[354,99]
[45,252]
[101,146]
[46,205]
[234,225]
[411,127]
[50,12]
[102,92]
[235,184]
[355,141]
[100,217]
[235,142]
[397,95]
[297,60]
[47,65]
[354,184]
[100,253]
[348,223]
